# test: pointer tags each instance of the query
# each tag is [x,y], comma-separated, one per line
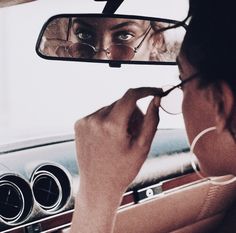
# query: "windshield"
[41,98]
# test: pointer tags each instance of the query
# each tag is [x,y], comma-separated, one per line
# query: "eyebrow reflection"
[83,23]
[124,24]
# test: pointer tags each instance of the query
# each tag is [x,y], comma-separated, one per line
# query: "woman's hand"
[112,145]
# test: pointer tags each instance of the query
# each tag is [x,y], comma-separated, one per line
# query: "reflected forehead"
[128,22]
[110,23]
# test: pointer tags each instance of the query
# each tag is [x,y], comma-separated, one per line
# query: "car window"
[44,98]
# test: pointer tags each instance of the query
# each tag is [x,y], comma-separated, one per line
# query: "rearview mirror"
[113,39]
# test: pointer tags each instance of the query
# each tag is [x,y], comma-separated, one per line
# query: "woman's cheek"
[188,115]
[197,112]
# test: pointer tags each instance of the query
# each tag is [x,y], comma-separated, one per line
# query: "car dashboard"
[36,182]
[39,179]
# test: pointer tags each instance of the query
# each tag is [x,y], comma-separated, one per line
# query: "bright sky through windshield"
[43,98]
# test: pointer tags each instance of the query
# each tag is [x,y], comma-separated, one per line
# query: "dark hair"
[210,41]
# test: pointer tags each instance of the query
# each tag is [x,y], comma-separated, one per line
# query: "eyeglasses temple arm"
[165,93]
[140,44]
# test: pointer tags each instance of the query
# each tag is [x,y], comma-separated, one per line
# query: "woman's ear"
[225,107]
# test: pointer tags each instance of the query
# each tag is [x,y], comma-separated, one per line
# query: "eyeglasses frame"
[163,94]
[190,78]
[135,49]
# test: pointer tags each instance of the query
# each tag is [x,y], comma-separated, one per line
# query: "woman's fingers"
[124,108]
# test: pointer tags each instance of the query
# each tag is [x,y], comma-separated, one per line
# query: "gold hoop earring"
[194,166]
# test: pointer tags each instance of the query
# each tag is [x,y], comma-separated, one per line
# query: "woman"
[206,64]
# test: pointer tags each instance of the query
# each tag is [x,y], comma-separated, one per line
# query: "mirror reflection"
[104,38]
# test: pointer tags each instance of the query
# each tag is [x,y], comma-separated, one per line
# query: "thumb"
[150,123]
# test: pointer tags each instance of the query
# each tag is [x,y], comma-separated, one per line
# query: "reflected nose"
[101,54]
[101,47]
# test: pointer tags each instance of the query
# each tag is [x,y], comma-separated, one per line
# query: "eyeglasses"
[172,96]
[113,52]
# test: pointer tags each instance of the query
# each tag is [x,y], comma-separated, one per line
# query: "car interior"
[49,79]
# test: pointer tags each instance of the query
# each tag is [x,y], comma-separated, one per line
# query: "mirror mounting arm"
[114,64]
[111,6]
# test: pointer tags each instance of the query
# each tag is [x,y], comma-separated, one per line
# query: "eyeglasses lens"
[172,103]
[114,52]
[79,50]
[120,52]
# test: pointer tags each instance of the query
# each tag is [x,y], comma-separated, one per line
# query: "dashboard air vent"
[47,190]
[11,201]
[51,187]
[16,199]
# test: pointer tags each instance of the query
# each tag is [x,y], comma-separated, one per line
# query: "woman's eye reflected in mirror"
[123,36]
[85,36]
